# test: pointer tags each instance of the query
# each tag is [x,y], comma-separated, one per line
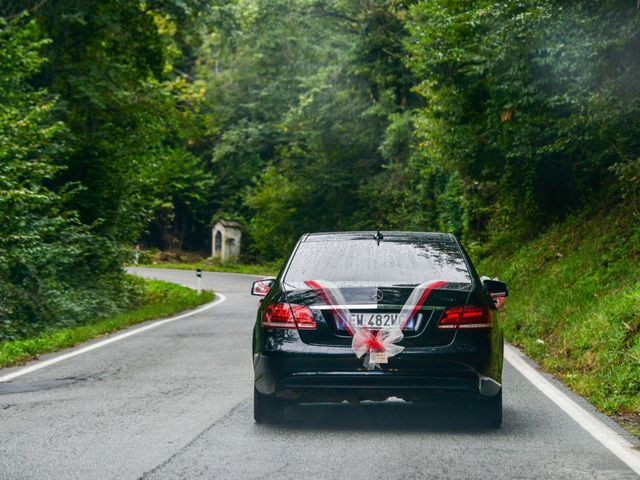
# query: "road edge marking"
[609,438]
[119,336]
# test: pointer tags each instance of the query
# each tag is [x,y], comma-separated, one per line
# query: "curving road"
[175,402]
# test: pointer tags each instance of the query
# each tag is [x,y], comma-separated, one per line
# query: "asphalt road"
[175,402]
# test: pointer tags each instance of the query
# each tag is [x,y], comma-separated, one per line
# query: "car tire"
[491,411]
[267,408]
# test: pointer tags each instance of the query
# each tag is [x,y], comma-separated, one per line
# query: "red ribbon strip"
[423,298]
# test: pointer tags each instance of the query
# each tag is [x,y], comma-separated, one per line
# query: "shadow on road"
[386,416]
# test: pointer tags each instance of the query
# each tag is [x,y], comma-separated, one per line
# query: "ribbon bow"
[382,343]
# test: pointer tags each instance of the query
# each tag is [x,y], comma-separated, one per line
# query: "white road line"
[616,443]
[253,275]
[129,333]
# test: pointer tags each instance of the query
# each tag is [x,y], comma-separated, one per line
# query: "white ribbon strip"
[376,347]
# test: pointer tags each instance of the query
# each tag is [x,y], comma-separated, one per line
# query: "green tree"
[529,103]
[96,140]
[52,268]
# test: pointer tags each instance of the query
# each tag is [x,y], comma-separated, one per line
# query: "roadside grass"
[160,299]
[263,269]
[574,307]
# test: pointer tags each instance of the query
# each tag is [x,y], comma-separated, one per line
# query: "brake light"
[284,315]
[470,317]
[474,316]
[450,318]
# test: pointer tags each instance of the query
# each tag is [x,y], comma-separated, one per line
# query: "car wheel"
[491,411]
[267,408]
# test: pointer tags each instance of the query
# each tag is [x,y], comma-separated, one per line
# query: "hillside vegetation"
[575,305]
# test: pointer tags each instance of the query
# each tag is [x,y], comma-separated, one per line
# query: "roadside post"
[199,281]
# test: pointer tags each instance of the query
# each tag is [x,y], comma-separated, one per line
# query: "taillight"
[470,317]
[304,317]
[284,315]
[450,318]
[474,316]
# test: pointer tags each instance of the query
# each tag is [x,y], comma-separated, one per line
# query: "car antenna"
[378,237]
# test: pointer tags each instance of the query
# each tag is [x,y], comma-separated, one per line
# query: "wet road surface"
[175,402]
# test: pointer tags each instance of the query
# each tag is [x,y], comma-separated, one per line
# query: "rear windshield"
[389,263]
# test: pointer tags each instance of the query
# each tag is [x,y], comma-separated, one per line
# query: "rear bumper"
[343,377]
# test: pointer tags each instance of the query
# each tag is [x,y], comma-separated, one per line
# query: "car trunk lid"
[378,306]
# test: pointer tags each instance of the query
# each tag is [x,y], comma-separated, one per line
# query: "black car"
[302,344]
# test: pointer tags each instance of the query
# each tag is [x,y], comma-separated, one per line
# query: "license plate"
[380,321]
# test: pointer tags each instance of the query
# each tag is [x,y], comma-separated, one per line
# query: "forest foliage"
[125,122]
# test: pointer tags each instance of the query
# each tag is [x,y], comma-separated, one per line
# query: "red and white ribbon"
[365,342]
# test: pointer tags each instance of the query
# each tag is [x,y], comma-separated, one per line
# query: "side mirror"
[262,287]
[496,288]
[498,291]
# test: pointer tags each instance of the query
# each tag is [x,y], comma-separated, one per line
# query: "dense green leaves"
[531,102]
[95,135]
[48,259]
[473,118]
